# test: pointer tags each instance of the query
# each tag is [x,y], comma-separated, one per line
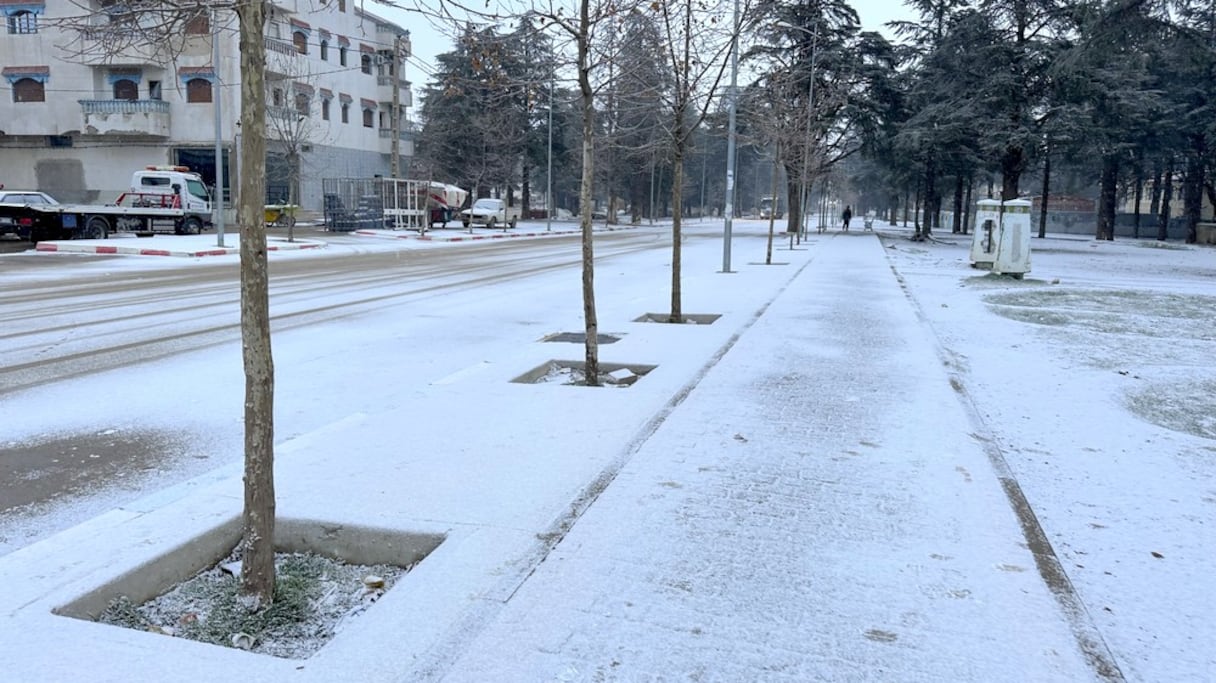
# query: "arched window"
[342,56]
[325,50]
[300,41]
[29,90]
[365,63]
[198,90]
[23,21]
[126,89]
[368,118]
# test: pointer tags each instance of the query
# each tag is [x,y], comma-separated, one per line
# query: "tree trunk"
[930,192]
[1046,194]
[525,199]
[967,205]
[1108,193]
[1012,164]
[257,542]
[772,215]
[590,321]
[1138,194]
[1167,193]
[1192,191]
[1154,203]
[677,210]
[956,223]
[294,191]
[793,212]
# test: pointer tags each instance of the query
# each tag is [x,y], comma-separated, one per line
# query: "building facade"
[84,105]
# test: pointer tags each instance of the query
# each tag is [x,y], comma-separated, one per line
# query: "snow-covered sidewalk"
[797,519]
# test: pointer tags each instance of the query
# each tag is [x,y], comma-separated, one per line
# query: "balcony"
[405,147]
[281,47]
[125,117]
[406,96]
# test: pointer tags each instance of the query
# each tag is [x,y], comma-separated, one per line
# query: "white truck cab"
[154,185]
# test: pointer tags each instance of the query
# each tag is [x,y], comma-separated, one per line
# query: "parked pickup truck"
[161,199]
[490,212]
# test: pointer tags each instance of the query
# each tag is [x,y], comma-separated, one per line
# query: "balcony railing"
[125,117]
[282,47]
[124,107]
[388,133]
[280,115]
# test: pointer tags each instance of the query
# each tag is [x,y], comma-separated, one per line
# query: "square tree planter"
[570,372]
[688,318]
[349,544]
[581,338]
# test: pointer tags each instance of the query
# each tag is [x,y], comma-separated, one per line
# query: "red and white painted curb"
[84,248]
[467,237]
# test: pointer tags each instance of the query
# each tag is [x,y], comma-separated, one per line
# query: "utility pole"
[218,200]
[395,162]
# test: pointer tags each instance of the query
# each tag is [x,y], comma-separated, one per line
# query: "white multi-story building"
[81,108]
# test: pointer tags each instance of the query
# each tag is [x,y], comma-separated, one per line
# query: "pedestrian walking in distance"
[845,216]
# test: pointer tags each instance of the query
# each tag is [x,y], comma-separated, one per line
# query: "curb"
[76,248]
[466,237]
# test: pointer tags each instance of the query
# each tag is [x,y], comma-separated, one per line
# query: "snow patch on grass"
[314,597]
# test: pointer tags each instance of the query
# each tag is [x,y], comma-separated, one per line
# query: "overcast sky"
[427,42]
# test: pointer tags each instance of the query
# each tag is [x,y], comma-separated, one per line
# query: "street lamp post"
[730,142]
[549,189]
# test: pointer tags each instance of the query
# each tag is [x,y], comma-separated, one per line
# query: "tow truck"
[160,199]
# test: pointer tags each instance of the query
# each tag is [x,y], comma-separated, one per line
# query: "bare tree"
[257,538]
[773,119]
[697,51]
[164,29]
[583,33]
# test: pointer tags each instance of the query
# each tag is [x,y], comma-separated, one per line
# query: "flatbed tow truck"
[161,199]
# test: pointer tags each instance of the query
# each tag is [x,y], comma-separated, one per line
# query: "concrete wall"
[93,174]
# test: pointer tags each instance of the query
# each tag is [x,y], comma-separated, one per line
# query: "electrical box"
[1001,242]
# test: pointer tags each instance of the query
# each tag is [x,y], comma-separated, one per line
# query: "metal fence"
[375,204]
